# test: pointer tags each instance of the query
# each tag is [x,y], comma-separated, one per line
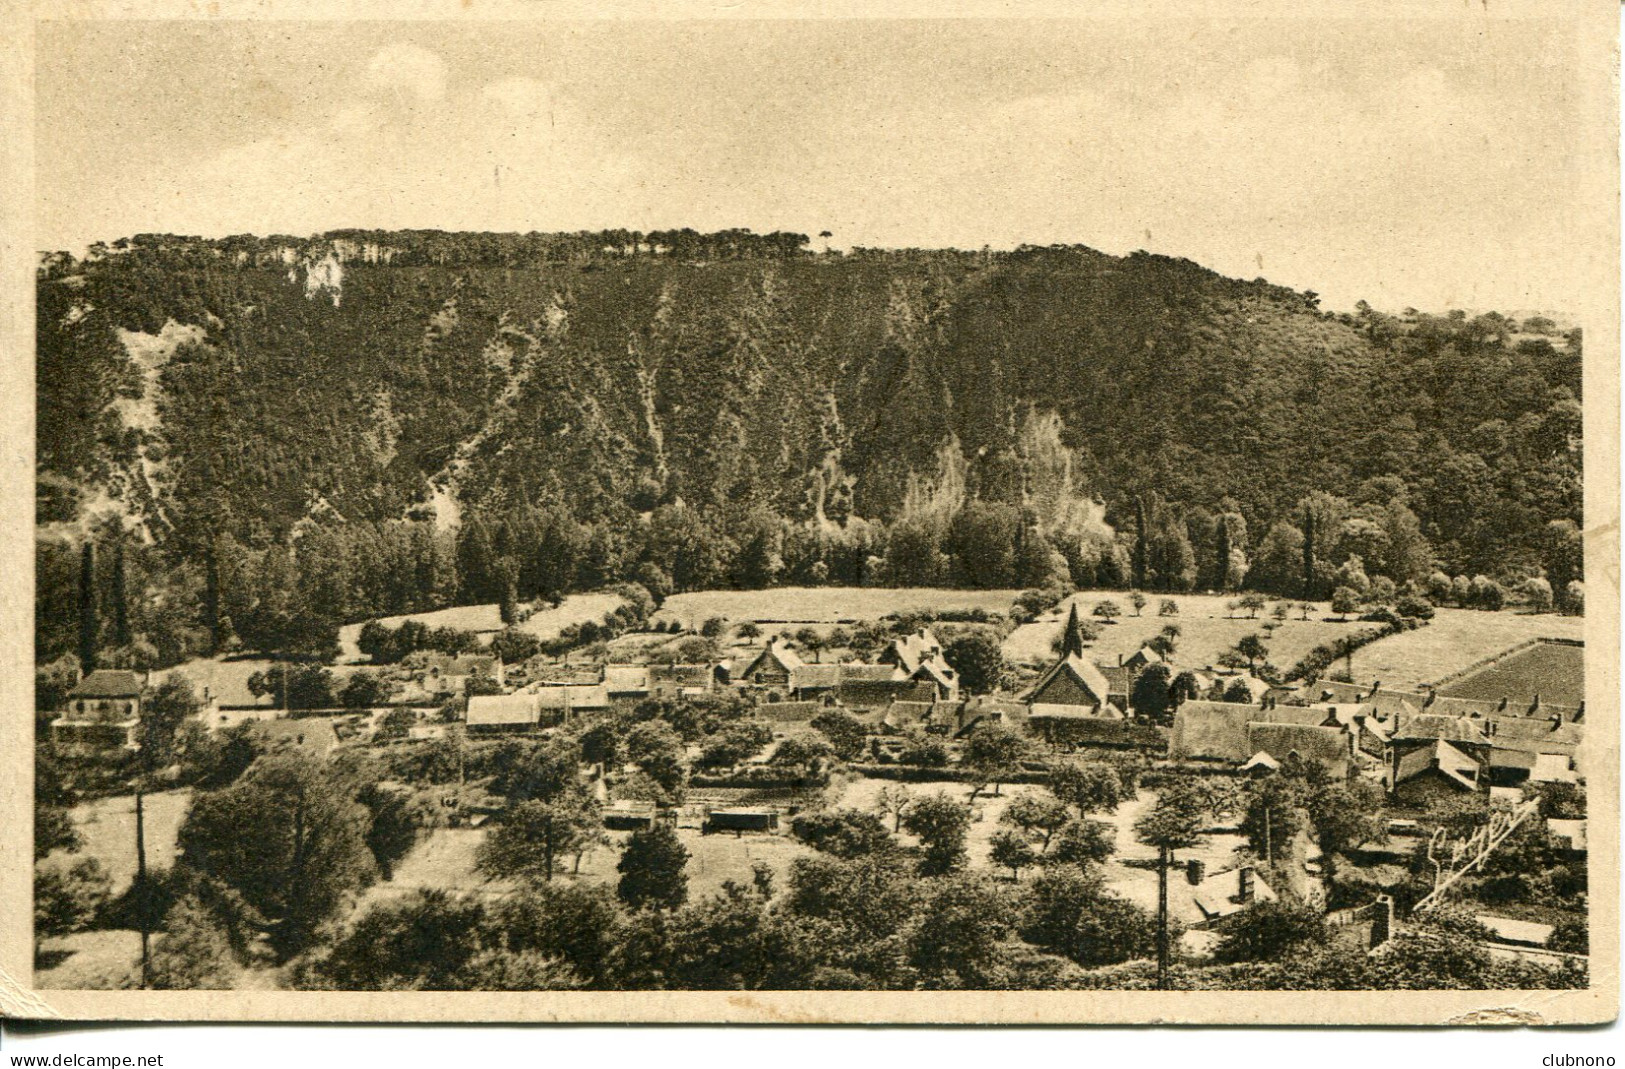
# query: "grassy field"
[1456,639]
[824,604]
[1554,671]
[574,609]
[445,860]
[107,826]
[1206,631]
[1137,884]
[486,619]
[98,960]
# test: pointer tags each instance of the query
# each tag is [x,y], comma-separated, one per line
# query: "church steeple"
[1072,642]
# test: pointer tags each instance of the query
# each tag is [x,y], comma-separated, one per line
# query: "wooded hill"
[731,408]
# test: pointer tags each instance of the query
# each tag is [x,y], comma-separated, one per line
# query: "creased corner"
[1501,1015]
[18,1001]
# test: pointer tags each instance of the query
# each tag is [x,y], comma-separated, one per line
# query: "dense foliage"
[717,410]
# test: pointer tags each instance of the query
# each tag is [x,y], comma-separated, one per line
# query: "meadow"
[1206,630]
[1457,639]
[824,604]
[486,619]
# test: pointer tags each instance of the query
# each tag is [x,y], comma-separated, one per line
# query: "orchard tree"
[1084,842]
[1012,850]
[845,732]
[1344,601]
[1252,647]
[533,837]
[844,833]
[893,801]
[1150,697]
[652,869]
[1036,817]
[1137,600]
[993,754]
[288,839]
[1089,787]
[162,716]
[941,824]
[978,660]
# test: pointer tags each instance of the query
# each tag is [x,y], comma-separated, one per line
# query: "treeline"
[937,417]
[439,248]
[114,600]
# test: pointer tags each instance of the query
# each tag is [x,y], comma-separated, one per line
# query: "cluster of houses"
[1422,746]
[909,674]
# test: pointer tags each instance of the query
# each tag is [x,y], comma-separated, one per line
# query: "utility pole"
[1163,860]
[143,898]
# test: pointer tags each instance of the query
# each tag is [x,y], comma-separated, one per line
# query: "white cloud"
[523,99]
[408,67]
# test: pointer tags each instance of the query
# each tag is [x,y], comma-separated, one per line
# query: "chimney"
[1503,706]
[1557,721]
[1376,685]
[1382,920]
[1534,710]
[1195,870]
[1119,660]
[1244,884]
[1580,713]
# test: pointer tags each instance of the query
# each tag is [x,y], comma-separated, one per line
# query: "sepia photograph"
[911,519]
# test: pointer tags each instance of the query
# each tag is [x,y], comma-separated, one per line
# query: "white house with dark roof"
[100,716]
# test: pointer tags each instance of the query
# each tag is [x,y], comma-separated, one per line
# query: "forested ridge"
[393,421]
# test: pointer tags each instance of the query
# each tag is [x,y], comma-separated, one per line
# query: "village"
[755,739]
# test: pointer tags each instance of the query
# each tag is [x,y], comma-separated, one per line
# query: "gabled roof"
[900,716]
[815,676]
[1118,678]
[626,678]
[492,710]
[1509,930]
[1455,766]
[1327,746]
[1572,830]
[910,649]
[776,652]
[1261,759]
[1081,671]
[936,670]
[1216,895]
[108,683]
[1390,703]
[1212,729]
[1535,735]
[1441,705]
[1053,711]
[572,697]
[1552,768]
[1449,728]
[792,711]
[854,671]
[870,693]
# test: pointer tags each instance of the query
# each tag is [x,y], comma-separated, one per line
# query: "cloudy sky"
[1407,163]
